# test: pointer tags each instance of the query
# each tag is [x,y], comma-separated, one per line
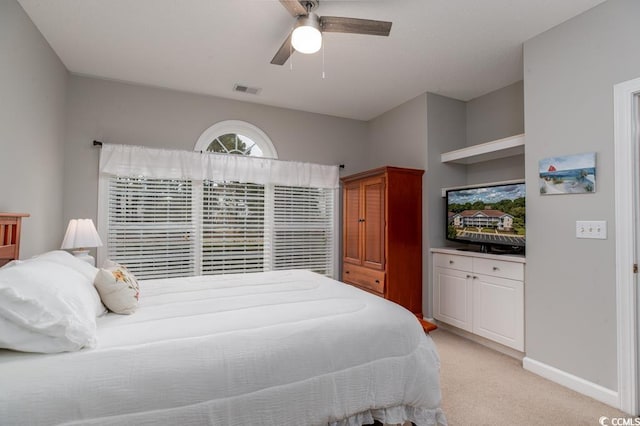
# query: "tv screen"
[492,216]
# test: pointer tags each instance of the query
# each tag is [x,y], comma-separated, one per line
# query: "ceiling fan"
[306,36]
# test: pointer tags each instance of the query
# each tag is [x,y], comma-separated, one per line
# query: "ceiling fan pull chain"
[323,59]
[291,55]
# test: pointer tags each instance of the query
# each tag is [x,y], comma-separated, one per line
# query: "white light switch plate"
[591,229]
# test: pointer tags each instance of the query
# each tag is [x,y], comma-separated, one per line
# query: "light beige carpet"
[483,387]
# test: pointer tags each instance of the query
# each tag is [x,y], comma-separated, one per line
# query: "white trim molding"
[626,206]
[239,127]
[572,382]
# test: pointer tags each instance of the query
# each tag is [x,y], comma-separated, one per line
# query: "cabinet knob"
[451,262]
[346,272]
[468,276]
[475,277]
[495,268]
[377,281]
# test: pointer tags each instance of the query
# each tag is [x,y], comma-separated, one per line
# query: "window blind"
[151,226]
[233,228]
[303,229]
[161,228]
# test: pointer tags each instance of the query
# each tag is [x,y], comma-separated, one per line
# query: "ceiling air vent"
[246,89]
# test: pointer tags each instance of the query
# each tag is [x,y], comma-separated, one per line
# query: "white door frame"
[627,200]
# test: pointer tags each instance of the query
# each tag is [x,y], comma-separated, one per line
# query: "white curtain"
[136,161]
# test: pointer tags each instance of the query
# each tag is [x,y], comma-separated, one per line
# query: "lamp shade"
[306,36]
[81,233]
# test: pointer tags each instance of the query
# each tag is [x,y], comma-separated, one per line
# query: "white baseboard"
[572,382]
[481,340]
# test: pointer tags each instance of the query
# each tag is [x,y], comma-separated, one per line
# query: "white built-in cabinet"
[480,293]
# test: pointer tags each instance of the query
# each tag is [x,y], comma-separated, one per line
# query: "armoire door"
[373,215]
[352,224]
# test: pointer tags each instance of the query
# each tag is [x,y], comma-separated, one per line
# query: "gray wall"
[569,73]
[493,116]
[121,113]
[399,138]
[496,115]
[509,168]
[32,108]
[447,131]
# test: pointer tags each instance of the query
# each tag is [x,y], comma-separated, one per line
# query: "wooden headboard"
[10,224]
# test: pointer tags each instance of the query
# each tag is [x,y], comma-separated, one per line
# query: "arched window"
[236,137]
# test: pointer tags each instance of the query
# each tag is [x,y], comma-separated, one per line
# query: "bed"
[274,348]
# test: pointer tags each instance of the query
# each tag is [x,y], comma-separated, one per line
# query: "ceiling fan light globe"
[306,37]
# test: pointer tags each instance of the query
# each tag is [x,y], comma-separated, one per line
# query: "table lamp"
[81,235]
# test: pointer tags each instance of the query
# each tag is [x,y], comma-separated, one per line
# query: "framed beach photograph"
[568,174]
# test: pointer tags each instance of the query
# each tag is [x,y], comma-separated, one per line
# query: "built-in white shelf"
[501,148]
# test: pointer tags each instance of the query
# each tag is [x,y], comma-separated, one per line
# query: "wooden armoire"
[382,234]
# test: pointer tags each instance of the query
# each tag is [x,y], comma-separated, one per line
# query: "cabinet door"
[452,297]
[374,222]
[352,224]
[498,310]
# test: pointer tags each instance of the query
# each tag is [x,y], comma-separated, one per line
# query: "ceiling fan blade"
[294,7]
[283,53]
[337,24]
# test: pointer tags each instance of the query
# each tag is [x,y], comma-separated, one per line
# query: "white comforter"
[274,348]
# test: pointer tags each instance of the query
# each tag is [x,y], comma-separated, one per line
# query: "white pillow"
[67,259]
[16,337]
[118,288]
[46,307]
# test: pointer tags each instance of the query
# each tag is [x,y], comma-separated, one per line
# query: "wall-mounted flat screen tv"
[491,217]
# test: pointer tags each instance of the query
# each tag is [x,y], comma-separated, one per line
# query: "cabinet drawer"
[364,277]
[498,268]
[451,261]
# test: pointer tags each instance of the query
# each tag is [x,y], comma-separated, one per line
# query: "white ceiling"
[457,48]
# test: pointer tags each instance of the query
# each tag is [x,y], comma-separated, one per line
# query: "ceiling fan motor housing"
[307,34]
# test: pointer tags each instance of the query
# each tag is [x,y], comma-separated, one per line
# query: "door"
[627,223]
[352,224]
[373,222]
[452,297]
[634,386]
[498,310]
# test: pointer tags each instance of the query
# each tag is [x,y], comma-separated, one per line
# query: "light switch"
[591,229]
